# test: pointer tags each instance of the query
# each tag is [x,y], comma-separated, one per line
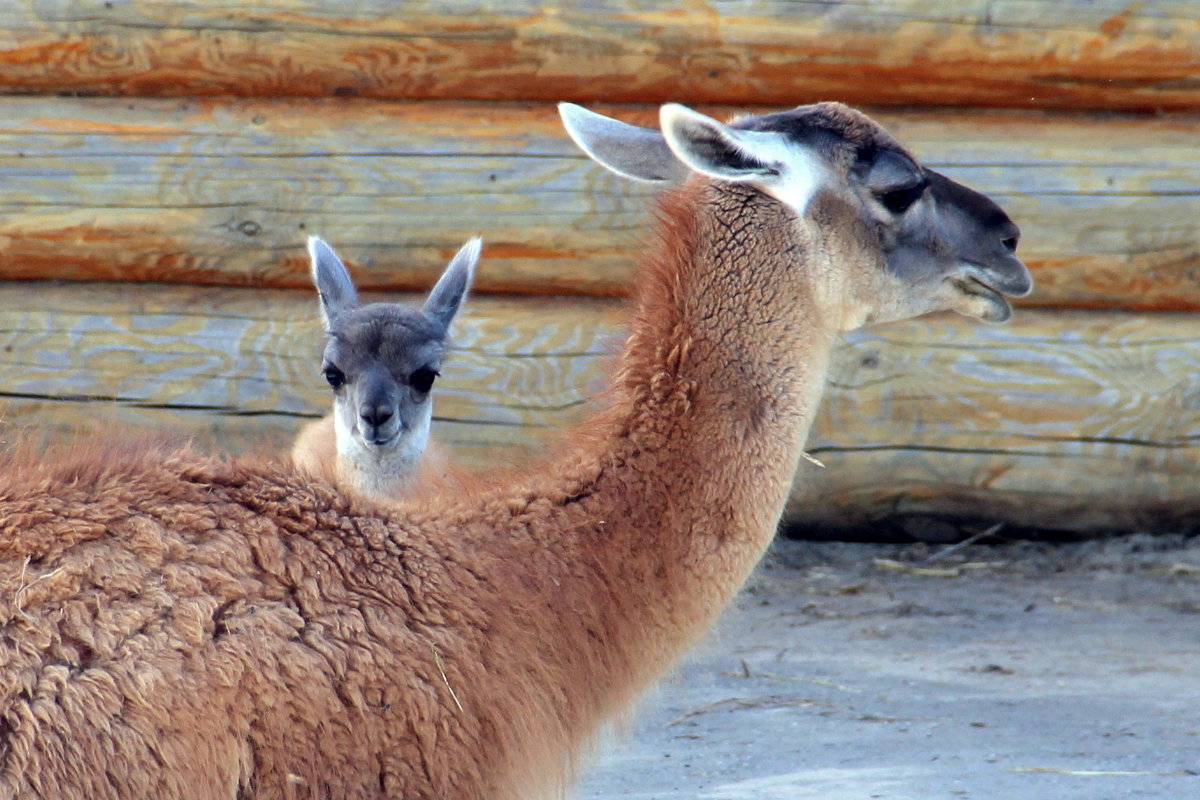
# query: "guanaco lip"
[378,442]
[998,308]
[1003,280]
[973,286]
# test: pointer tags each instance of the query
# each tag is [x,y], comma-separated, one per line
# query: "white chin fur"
[379,470]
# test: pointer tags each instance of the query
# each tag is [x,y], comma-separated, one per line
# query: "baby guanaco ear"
[770,160]
[446,298]
[628,150]
[334,286]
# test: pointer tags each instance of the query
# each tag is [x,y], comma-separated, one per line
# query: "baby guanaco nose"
[375,414]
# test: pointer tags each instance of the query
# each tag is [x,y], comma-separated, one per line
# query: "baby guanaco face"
[900,240]
[381,360]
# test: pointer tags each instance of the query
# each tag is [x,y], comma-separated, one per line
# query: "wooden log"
[1082,54]
[1070,421]
[519,369]
[219,192]
[1075,421]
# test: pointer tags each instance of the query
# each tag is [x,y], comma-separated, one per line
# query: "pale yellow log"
[1069,420]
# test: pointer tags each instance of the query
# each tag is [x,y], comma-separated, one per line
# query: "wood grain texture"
[1093,54]
[1066,420]
[1062,420]
[519,369]
[224,192]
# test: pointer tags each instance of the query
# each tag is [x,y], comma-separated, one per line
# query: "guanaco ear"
[629,151]
[890,171]
[334,286]
[769,160]
[447,296]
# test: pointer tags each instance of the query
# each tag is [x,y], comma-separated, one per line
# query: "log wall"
[1067,420]
[162,162]
[1072,54]
[224,192]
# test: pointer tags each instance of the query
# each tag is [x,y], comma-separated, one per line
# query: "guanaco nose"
[1010,234]
[375,414]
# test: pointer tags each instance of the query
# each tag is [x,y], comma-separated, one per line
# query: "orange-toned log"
[1074,421]
[1082,54]
[224,192]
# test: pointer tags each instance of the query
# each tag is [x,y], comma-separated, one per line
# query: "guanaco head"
[905,240]
[381,360]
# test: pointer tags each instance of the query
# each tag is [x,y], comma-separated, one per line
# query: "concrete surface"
[1020,670]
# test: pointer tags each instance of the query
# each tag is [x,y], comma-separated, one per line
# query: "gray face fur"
[381,361]
[927,242]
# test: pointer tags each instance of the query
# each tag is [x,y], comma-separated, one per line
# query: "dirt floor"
[1021,670]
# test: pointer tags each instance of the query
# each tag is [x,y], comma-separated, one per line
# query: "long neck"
[723,371]
[656,526]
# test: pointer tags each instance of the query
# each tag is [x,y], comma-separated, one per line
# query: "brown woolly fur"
[176,626]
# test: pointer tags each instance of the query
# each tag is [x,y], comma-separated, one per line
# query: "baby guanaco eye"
[422,379]
[898,201]
[335,377]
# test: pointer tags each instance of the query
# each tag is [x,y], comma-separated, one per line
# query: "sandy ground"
[1021,670]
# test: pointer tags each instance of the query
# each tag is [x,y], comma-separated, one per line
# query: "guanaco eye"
[898,201]
[335,377]
[422,379]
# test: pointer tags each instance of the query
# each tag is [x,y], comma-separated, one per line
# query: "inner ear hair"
[715,149]
[718,149]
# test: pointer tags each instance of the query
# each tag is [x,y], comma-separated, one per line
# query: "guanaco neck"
[657,529]
[389,473]
[724,369]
